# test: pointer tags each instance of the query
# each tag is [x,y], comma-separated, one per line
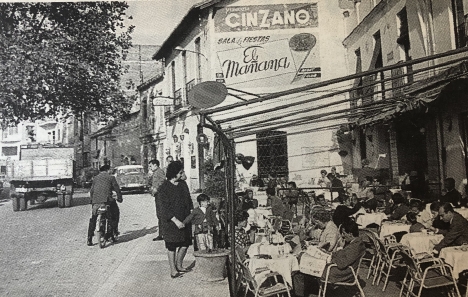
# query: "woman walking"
[175,207]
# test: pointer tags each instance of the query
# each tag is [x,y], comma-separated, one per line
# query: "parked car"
[131,178]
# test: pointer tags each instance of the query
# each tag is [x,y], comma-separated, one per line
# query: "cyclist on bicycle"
[101,193]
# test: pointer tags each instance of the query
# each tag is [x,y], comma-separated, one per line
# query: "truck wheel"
[15,201]
[32,202]
[60,201]
[68,200]
[23,205]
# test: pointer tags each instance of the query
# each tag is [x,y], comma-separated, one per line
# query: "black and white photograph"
[238,148]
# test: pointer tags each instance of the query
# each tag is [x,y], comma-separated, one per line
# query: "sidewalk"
[145,272]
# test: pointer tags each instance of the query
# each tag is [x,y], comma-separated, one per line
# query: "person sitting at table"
[292,196]
[337,187]
[464,200]
[321,201]
[457,233]
[330,234]
[248,200]
[256,182]
[277,207]
[349,256]
[370,202]
[319,217]
[438,225]
[323,180]
[425,216]
[400,210]
[451,194]
[415,225]
[242,239]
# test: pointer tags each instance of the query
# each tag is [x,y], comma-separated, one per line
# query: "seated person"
[338,191]
[400,210]
[349,256]
[256,182]
[323,180]
[278,209]
[457,233]
[319,217]
[248,200]
[437,224]
[464,200]
[370,202]
[415,225]
[451,194]
[425,217]
[320,200]
[242,238]
[292,196]
[329,237]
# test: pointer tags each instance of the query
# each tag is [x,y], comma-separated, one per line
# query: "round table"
[390,227]
[262,248]
[420,242]
[455,257]
[463,211]
[366,219]
[284,264]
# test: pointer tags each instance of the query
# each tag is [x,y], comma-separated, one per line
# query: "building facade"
[256,47]
[430,141]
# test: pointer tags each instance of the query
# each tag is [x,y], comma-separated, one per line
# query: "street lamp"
[178,48]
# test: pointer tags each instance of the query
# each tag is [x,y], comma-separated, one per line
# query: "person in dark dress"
[175,207]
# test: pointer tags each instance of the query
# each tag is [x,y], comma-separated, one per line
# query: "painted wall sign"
[262,46]
[266,17]
[257,61]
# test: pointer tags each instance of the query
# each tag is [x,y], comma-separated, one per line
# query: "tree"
[62,58]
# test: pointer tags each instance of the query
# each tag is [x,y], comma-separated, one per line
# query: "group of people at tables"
[335,230]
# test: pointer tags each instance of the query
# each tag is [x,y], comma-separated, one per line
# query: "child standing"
[204,220]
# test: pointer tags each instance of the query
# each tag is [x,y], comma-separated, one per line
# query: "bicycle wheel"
[102,231]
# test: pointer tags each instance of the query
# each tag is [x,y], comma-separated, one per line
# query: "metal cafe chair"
[271,284]
[437,275]
[324,281]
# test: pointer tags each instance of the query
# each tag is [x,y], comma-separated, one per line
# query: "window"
[184,69]
[362,144]
[404,41]
[9,151]
[357,93]
[459,19]
[272,153]
[9,131]
[3,169]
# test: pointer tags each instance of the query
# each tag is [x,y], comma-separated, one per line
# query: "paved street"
[43,252]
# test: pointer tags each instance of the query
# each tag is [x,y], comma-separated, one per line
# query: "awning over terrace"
[420,94]
[333,103]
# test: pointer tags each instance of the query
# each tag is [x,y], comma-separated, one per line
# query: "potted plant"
[211,264]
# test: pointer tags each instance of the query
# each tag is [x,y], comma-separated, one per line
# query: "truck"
[42,172]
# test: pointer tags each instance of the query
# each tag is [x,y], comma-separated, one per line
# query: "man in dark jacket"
[101,193]
[452,195]
[157,178]
[457,233]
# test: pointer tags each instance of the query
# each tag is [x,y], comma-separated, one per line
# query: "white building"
[257,47]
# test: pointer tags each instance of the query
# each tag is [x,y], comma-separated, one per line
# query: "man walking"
[157,180]
[101,193]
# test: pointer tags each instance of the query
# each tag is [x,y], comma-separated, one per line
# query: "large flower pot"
[211,266]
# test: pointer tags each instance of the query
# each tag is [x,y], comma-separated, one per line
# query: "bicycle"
[103,227]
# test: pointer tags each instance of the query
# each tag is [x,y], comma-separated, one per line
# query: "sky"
[154,20]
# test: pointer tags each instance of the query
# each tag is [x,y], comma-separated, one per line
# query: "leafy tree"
[62,58]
